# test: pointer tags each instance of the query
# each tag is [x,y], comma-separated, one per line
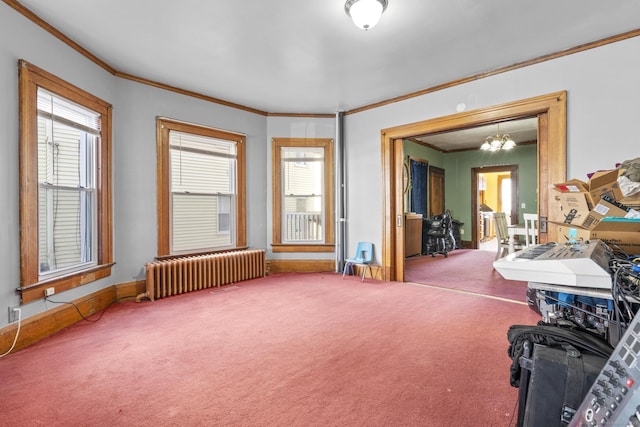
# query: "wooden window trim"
[30,78]
[327,144]
[163,126]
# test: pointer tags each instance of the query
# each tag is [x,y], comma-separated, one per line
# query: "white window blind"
[67,140]
[203,192]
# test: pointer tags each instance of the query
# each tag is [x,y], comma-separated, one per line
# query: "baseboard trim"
[42,325]
[300,265]
[130,290]
[317,266]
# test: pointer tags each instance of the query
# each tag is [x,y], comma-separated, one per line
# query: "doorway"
[550,111]
[496,191]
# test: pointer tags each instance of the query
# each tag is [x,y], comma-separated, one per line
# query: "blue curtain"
[419,186]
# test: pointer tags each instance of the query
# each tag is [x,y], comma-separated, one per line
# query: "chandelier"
[365,13]
[498,142]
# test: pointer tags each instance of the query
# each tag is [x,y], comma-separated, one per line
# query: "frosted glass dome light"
[365,13]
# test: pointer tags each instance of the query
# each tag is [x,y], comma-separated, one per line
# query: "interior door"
[436,191]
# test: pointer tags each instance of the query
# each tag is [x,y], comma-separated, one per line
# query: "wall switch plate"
[523,205]
[462,231]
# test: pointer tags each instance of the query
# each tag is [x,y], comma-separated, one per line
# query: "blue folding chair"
[363,257]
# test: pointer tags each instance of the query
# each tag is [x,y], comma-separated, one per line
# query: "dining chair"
[502,234]
[531,228]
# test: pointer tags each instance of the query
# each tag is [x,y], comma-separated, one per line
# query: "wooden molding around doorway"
[552,163]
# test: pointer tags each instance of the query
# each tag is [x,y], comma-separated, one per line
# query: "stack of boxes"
[596,209]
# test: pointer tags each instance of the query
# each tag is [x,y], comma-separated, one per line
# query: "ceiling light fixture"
[365,13]
[498,142]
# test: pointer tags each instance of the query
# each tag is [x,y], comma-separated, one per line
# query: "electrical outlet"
[462,231]
[49,291]
[13,314]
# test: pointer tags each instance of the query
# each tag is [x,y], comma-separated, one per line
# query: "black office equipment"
[613,399]
[553,367]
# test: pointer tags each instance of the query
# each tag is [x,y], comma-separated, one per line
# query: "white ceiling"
[306,56]
[521,131]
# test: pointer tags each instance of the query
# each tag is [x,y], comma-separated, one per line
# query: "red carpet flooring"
[290,350]
[464,269]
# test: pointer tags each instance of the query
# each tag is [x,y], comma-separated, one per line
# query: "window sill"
[192,254]
[60,284]
[281,247]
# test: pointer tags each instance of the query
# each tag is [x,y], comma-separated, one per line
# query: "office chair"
[363,257]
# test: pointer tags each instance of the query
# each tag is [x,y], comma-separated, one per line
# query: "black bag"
[553,367]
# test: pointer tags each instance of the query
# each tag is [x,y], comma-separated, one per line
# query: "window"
[65,176]
[302,195]
[224,214]
[201,203]
[67,137]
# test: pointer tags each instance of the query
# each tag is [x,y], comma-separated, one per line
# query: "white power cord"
[15,340]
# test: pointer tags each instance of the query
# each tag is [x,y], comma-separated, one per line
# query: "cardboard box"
[604,209]
[601,183]
[574,201]
[632,201]
[605,183]
[570,203]
[588,220]
[572,186]
[569,234]
[613,224]
[623,233]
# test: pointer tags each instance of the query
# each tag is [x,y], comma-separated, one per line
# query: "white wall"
[602,86]
[20,39]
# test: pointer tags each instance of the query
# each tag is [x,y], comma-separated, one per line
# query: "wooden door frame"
[513,172]
[551,110]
